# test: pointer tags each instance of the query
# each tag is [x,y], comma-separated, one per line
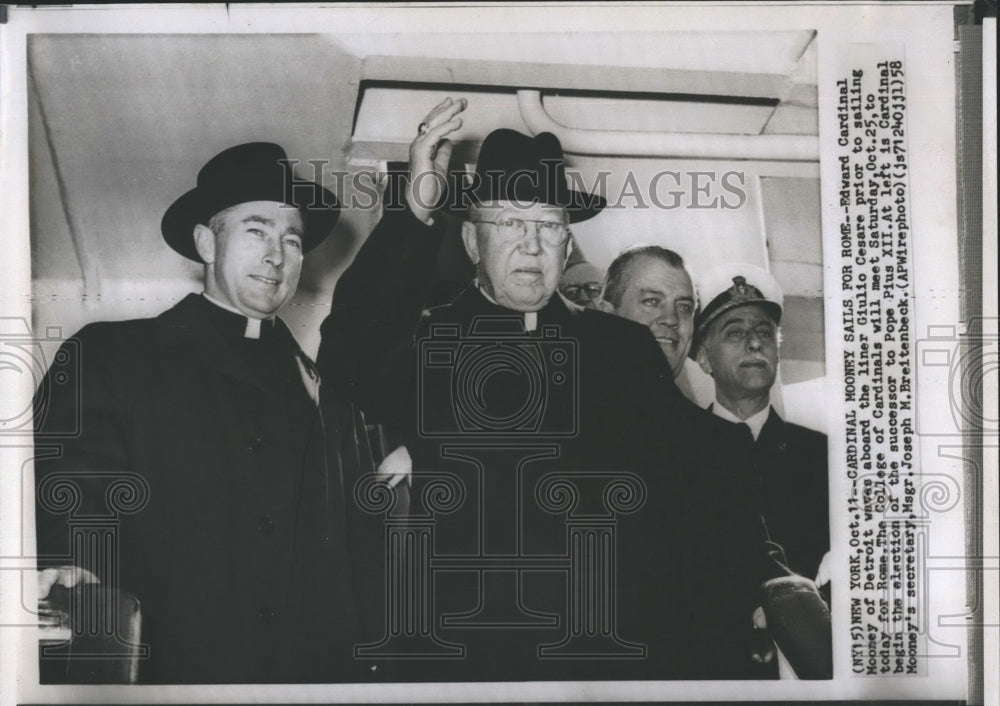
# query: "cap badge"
[741,291]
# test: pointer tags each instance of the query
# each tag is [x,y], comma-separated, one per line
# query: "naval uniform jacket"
[791,482]
[684,577]
[787,483]
[237,540]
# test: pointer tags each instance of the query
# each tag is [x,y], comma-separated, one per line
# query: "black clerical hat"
[257,171]
[516,167]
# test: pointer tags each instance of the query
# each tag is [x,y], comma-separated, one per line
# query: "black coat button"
[265,525]
[267,614]
[254,443]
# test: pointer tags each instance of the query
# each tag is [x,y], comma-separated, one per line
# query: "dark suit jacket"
[791,462]
[788,486]
[238,542]
[686,560]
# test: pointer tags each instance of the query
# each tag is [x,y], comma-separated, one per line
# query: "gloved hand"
[799,621]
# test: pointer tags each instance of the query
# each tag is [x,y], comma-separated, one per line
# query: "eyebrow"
[752,321]
[258,219]
[661,293]
[270,222]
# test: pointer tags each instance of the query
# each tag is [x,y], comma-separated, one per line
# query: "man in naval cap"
[737,342]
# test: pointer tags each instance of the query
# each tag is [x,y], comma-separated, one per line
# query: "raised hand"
[430,153]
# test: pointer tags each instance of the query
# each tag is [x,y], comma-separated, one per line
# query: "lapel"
[772,434]
[754,444]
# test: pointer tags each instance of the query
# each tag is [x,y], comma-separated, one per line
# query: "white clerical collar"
[755,421]
[253,325]
[530,317]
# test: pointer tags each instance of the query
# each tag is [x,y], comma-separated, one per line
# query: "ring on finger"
[422,128]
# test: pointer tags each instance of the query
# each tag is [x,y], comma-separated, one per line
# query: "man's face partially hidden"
[741,352]
[254,261]
[519,252]
[582,284]
[661,297]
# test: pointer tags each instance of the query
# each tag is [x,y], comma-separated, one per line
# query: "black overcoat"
[229,520]
[686,560]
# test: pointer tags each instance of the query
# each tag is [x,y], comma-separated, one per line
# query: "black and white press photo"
[505,353]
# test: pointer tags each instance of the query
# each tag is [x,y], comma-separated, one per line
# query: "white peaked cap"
[736,284]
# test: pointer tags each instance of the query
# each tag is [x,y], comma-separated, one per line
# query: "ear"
[470,241]
[569,249]
[702,357]
[204,243]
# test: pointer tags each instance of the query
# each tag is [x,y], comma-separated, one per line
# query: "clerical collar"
[252,329]
[755,421]
[530,317]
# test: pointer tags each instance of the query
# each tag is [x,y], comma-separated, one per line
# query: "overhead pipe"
[783,148]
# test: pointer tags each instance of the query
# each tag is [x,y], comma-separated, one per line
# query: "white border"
[991,404]
[924,26]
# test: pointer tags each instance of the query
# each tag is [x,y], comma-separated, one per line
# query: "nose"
[753,341]
[668,317]
[531,242]
[274,255]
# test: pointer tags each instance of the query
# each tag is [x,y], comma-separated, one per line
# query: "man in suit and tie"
[207,441]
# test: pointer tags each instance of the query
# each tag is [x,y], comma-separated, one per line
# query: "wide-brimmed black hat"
[516,167]
[256,171]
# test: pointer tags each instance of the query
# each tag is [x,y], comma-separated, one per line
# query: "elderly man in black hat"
[206,443]
[539,414]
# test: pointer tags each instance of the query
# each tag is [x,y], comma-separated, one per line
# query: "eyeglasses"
[551,233]
[573,290]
